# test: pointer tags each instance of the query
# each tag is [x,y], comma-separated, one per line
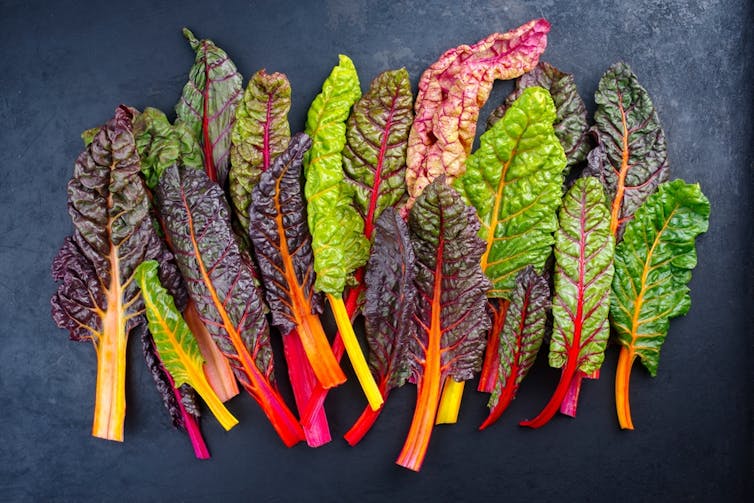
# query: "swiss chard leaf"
[337,229]
[161,144]
[388,311]
[220,283]
[631,157]
[451,304]
[96,299]
[175,344]
[584,249]
[208,104]
[571,126]
[514,180]
[260,134]
[374,158]
[282,243]
[520,338]
[452,91]
[653,266]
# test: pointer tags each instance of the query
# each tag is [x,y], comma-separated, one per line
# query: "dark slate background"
[66,66]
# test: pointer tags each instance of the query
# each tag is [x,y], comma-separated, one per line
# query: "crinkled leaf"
[451,306]
[514,180]
[390,301]
[260,133]
[88,136]
[337,229]
[653,266]
[450,281]
[571,126]
[161,144]
[374,159]
[452,91]
[219,280]
[96,299]
[584,250]
[631,154]
[523,331]
[208,104]
[285,259]
[175,344]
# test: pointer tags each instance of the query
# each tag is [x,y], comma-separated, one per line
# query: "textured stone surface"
[65,69]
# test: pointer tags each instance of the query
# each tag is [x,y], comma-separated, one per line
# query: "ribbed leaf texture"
[374,158]
[653,266]
[631,154]
[583,273]
[285,261]
[219,281]
[337,229]
[161,144]
[208,104]
[451,302]
[522,334]
[390,301]
[514,180]
[260,134]
[571,126]
[96,299]
[452,91]
[584,249]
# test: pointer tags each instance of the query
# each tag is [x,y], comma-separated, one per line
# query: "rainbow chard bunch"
[204,237]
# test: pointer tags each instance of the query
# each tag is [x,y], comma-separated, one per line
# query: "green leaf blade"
[653,266]
[514,181]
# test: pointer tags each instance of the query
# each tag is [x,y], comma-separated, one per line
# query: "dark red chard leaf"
[571,126]
[520,339]
[631,157]
[583,274]
[374,158]
[282,243]
[388,311]
[180,403]
[97,300]
[451,302]
[208,104]
[220,283]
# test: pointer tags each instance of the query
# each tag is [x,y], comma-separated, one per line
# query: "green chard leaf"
[631,157]
[374,158]
[260,134]
[584,249]
[337,229]
[520,338]
[452,91]
[88,136]
[208,104]
[161,144]
[220,283]
[571,126]
[451,306]
[653,266]
[514,181]
[176,346]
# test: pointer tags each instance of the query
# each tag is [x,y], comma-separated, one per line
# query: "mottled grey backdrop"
[64,68]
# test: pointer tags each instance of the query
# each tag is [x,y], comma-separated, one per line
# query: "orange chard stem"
[622,380]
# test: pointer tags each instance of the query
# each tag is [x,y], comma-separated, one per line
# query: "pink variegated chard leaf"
[208,104]
[451,93]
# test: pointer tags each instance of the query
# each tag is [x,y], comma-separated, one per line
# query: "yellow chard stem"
[216,406]
[358,362]
[450,402]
